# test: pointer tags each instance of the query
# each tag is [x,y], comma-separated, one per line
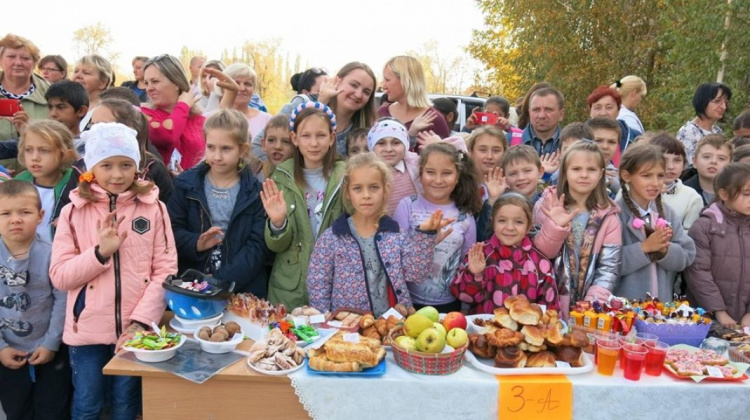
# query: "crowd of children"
[96,222]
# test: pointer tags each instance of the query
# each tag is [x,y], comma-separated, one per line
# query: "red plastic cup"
[635,359]
[627,340]
[607,350]
[655,356]
[648,338]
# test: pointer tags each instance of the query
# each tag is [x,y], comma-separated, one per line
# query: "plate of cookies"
[687,362]
[522,338]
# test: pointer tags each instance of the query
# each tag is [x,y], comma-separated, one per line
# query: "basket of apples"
[430,347]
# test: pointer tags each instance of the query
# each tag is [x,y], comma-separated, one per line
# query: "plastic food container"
[154,356]
[189,304]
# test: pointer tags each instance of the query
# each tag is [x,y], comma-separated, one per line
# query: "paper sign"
[684,310]
[714,372]
[352,338]
[335,324]
[317,319]
[561,364]
[393,312]
[544,308]
[299,321]
[746,330]
[537,397]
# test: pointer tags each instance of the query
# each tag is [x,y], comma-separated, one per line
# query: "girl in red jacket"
[719,279]
[112,250]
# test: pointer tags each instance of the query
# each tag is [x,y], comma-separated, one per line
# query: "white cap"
[105,140]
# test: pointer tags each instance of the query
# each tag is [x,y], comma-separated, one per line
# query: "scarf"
[576,284]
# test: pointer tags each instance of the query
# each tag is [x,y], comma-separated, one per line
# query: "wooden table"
[237,392]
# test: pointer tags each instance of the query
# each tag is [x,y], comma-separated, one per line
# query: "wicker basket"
[426,363]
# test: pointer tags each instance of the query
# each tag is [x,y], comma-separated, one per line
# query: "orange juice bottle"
[576,318]
[589,319]
[604,323]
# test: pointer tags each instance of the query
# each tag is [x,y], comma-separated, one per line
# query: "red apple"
[454,320]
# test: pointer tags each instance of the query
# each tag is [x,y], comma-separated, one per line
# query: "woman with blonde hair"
[246,81]
[95,74]
[404,83]
[207,84]
[175,120]
[632,89]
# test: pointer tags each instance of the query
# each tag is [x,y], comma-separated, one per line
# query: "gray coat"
[636,270]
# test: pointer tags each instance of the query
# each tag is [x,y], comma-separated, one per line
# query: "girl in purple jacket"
[363,261]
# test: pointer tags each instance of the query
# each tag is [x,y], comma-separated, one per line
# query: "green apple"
[457,338]
[406,342]
[430,312]
[415,324]
[430,341]
[441,329]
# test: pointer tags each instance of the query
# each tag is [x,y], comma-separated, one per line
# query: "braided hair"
[635,158]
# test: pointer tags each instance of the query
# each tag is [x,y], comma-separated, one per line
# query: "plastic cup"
[607,351]
[655,356]
[648,338]
[601,335]
[635,359]
[627,340]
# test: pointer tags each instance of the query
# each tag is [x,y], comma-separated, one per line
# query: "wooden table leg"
[176,398]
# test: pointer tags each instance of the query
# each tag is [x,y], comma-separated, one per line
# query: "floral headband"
[325,108]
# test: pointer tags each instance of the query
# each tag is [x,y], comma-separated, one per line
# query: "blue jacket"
[244,251]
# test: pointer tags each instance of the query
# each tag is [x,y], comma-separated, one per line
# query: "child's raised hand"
[209,239]
[550,162]
[422,122]
[472,121]
[328,90]
[41,356]
[502,123]
[109,239]
[495,183]
[437,223]
[427,137]
[20,119]
[554,208]
[12,358]
[477,262]
[273,202]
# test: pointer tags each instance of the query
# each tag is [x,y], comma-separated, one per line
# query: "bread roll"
[503,317]
[366,321]
[541,359]
[571,355]
[526,314]
[504,337]
[553,335]
[532,335]
[575,339]
[512,300]
[510,357]
[481,348]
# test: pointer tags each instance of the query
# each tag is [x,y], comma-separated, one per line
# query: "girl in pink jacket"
[113,249]
[588,257]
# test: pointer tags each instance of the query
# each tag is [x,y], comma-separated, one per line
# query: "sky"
[325,34]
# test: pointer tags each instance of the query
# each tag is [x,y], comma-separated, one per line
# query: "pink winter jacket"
[145,259]
[604,265]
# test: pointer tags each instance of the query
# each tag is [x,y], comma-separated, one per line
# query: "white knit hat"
[105,140]
[387,127]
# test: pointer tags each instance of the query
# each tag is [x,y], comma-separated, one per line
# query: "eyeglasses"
[48,69]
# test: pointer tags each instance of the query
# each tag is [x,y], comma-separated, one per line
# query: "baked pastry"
[366,321]
[552,334]
[380,325]
[512,300]
[533,335]
[502,316]
[504,338]
[510,357]
[688,368]
[575,339]
[323,364]
[391,323]
[711,358]
[526,314]
[481,347]
[571,355]
[401,309]
[541,359]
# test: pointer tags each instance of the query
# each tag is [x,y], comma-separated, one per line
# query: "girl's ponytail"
[466,193]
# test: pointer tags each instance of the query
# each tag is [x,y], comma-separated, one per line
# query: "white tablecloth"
[472,394]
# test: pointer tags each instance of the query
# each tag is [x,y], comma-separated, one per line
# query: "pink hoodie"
[146,258]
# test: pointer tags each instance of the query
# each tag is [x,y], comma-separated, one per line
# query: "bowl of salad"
[152,347]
